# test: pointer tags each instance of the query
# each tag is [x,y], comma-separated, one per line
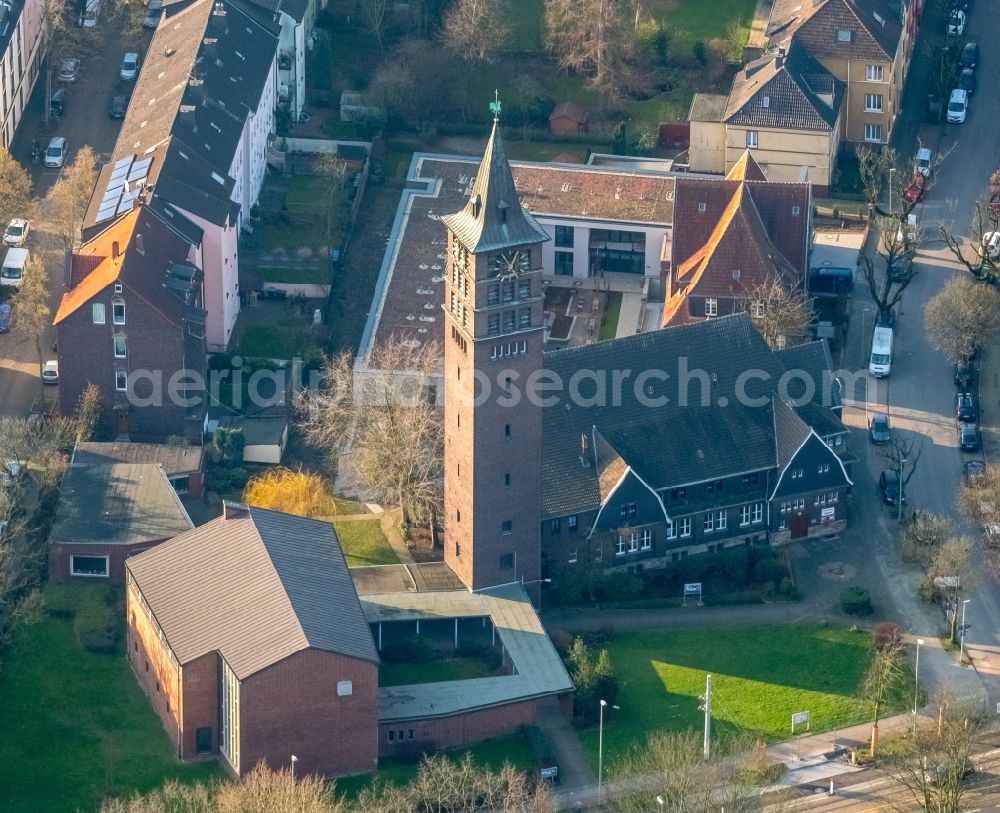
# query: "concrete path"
[758,26]
[574,767]
[628,317]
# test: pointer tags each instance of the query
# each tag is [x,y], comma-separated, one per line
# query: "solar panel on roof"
[140,169]
[105,214]
[120,172]
[124,162]
[111,196]
[126,203]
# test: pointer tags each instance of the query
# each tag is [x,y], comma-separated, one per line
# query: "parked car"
[50,372]
[956,23]
[118,106]
[915,191]
[57,103]
[967,80]
[879,431]
[965,374]
[965,407]
[68,70]
[940,773]
[889,485]
[973,470]
[990,245]
[13,472]
[153,13]
[958,106]
[925,158]
[5,317]
[17,232]
[55,153]
[130,66]
[968,437]
[969,56]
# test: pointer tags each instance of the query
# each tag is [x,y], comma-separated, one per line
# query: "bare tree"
[780,311]
[71,193]
[962,316]
[30,307]
[388,419]
[884,673]
[893,272]
[16,198]
[974,254]
[375,13]
[332,169]
[954,573]
[901,456]
[979,499]
[923,537]
[933,762]
[592,38]
[477,30]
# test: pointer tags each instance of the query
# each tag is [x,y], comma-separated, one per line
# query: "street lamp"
[902,469]
[600,749]
[916,680]
[294,760]
[892,170]
[961,651]
[536,581]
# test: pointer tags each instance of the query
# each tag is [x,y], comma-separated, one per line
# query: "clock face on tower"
[509,264]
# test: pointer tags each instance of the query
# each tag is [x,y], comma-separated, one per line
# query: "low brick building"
[248,638]
[107,513]
[181,464]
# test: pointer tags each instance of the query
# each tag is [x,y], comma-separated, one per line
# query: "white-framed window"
[873,102]
[744,515]
[671,529]
[646,538]
[873,132]
[758,512]
[824,468]
[686,526]
[620,546]
[721,520]
[785,507]
[571,522]
[229,743]
[711,307]
[752,139]
[844,35]
[757,309]
[345,688]
[709,520]
[118,313]
[119,345]
[633,542]
[98,309]
[833,496]
[874,73]
[121,380]
[95,567]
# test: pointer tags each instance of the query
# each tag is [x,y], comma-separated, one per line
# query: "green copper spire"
[495,106]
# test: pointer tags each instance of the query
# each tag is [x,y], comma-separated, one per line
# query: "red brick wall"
[157,672]
[199,707]
[456,730]
[59,564]
[292,707]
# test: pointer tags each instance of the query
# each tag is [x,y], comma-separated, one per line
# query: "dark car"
[967,80]
[965,407]
[57,104]
[969,56]
[889,485]
[968,437]
[915,191]
[965,374]
[879,430]
[899,269]
[972,470]
[5,317]
[117,107]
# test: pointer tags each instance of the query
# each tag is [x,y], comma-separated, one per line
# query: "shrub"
[415,649]
[928,590]
[736,564]
[769,570]
[855,601]
[885,634]
[622,587]
[561,640]
[61,600]
[787,588]
[700,51]
[594,679]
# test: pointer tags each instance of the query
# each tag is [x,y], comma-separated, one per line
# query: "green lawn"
[442,669]
[695,20]
[76,726]
[526,21]
[609,322]
[490,754]
[364,543]
[295,276]
[306,190]
[262,341]
[760,677]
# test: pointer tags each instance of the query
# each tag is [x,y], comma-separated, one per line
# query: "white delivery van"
[12,270]
[958,104]
[881,358]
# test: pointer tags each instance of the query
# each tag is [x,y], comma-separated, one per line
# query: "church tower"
[493,342]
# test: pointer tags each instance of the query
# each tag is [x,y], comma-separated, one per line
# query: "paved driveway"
[85,121]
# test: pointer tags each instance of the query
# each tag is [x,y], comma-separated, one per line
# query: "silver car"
[68,70]
[55,153]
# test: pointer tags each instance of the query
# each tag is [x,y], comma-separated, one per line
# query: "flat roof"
[410,289]
[538,669]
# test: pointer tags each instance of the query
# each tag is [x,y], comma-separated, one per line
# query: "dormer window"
[765,101]
[702,207]
[118,288]
[477,204]
[844,35]
[736,273]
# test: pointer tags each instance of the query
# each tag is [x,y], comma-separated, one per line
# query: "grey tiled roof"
[773,91]
[707,107]
[790,432]
[173,459]
[117,504]
[256,586]
[500,221]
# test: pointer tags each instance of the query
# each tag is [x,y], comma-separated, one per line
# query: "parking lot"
[85,121]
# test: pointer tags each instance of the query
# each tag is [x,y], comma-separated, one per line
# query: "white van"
[881,358]
[958,104]
[12,270]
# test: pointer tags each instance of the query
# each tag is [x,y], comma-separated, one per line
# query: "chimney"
[781,58]
[584,457]
[115,250]
[210,49]
[232,510]
[138,244]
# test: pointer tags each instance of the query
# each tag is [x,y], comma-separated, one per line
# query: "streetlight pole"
[707,708]
[961,652]
[916,681]
[536,581]
[294,760]
[902,469]
[891,171]
[600,751]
